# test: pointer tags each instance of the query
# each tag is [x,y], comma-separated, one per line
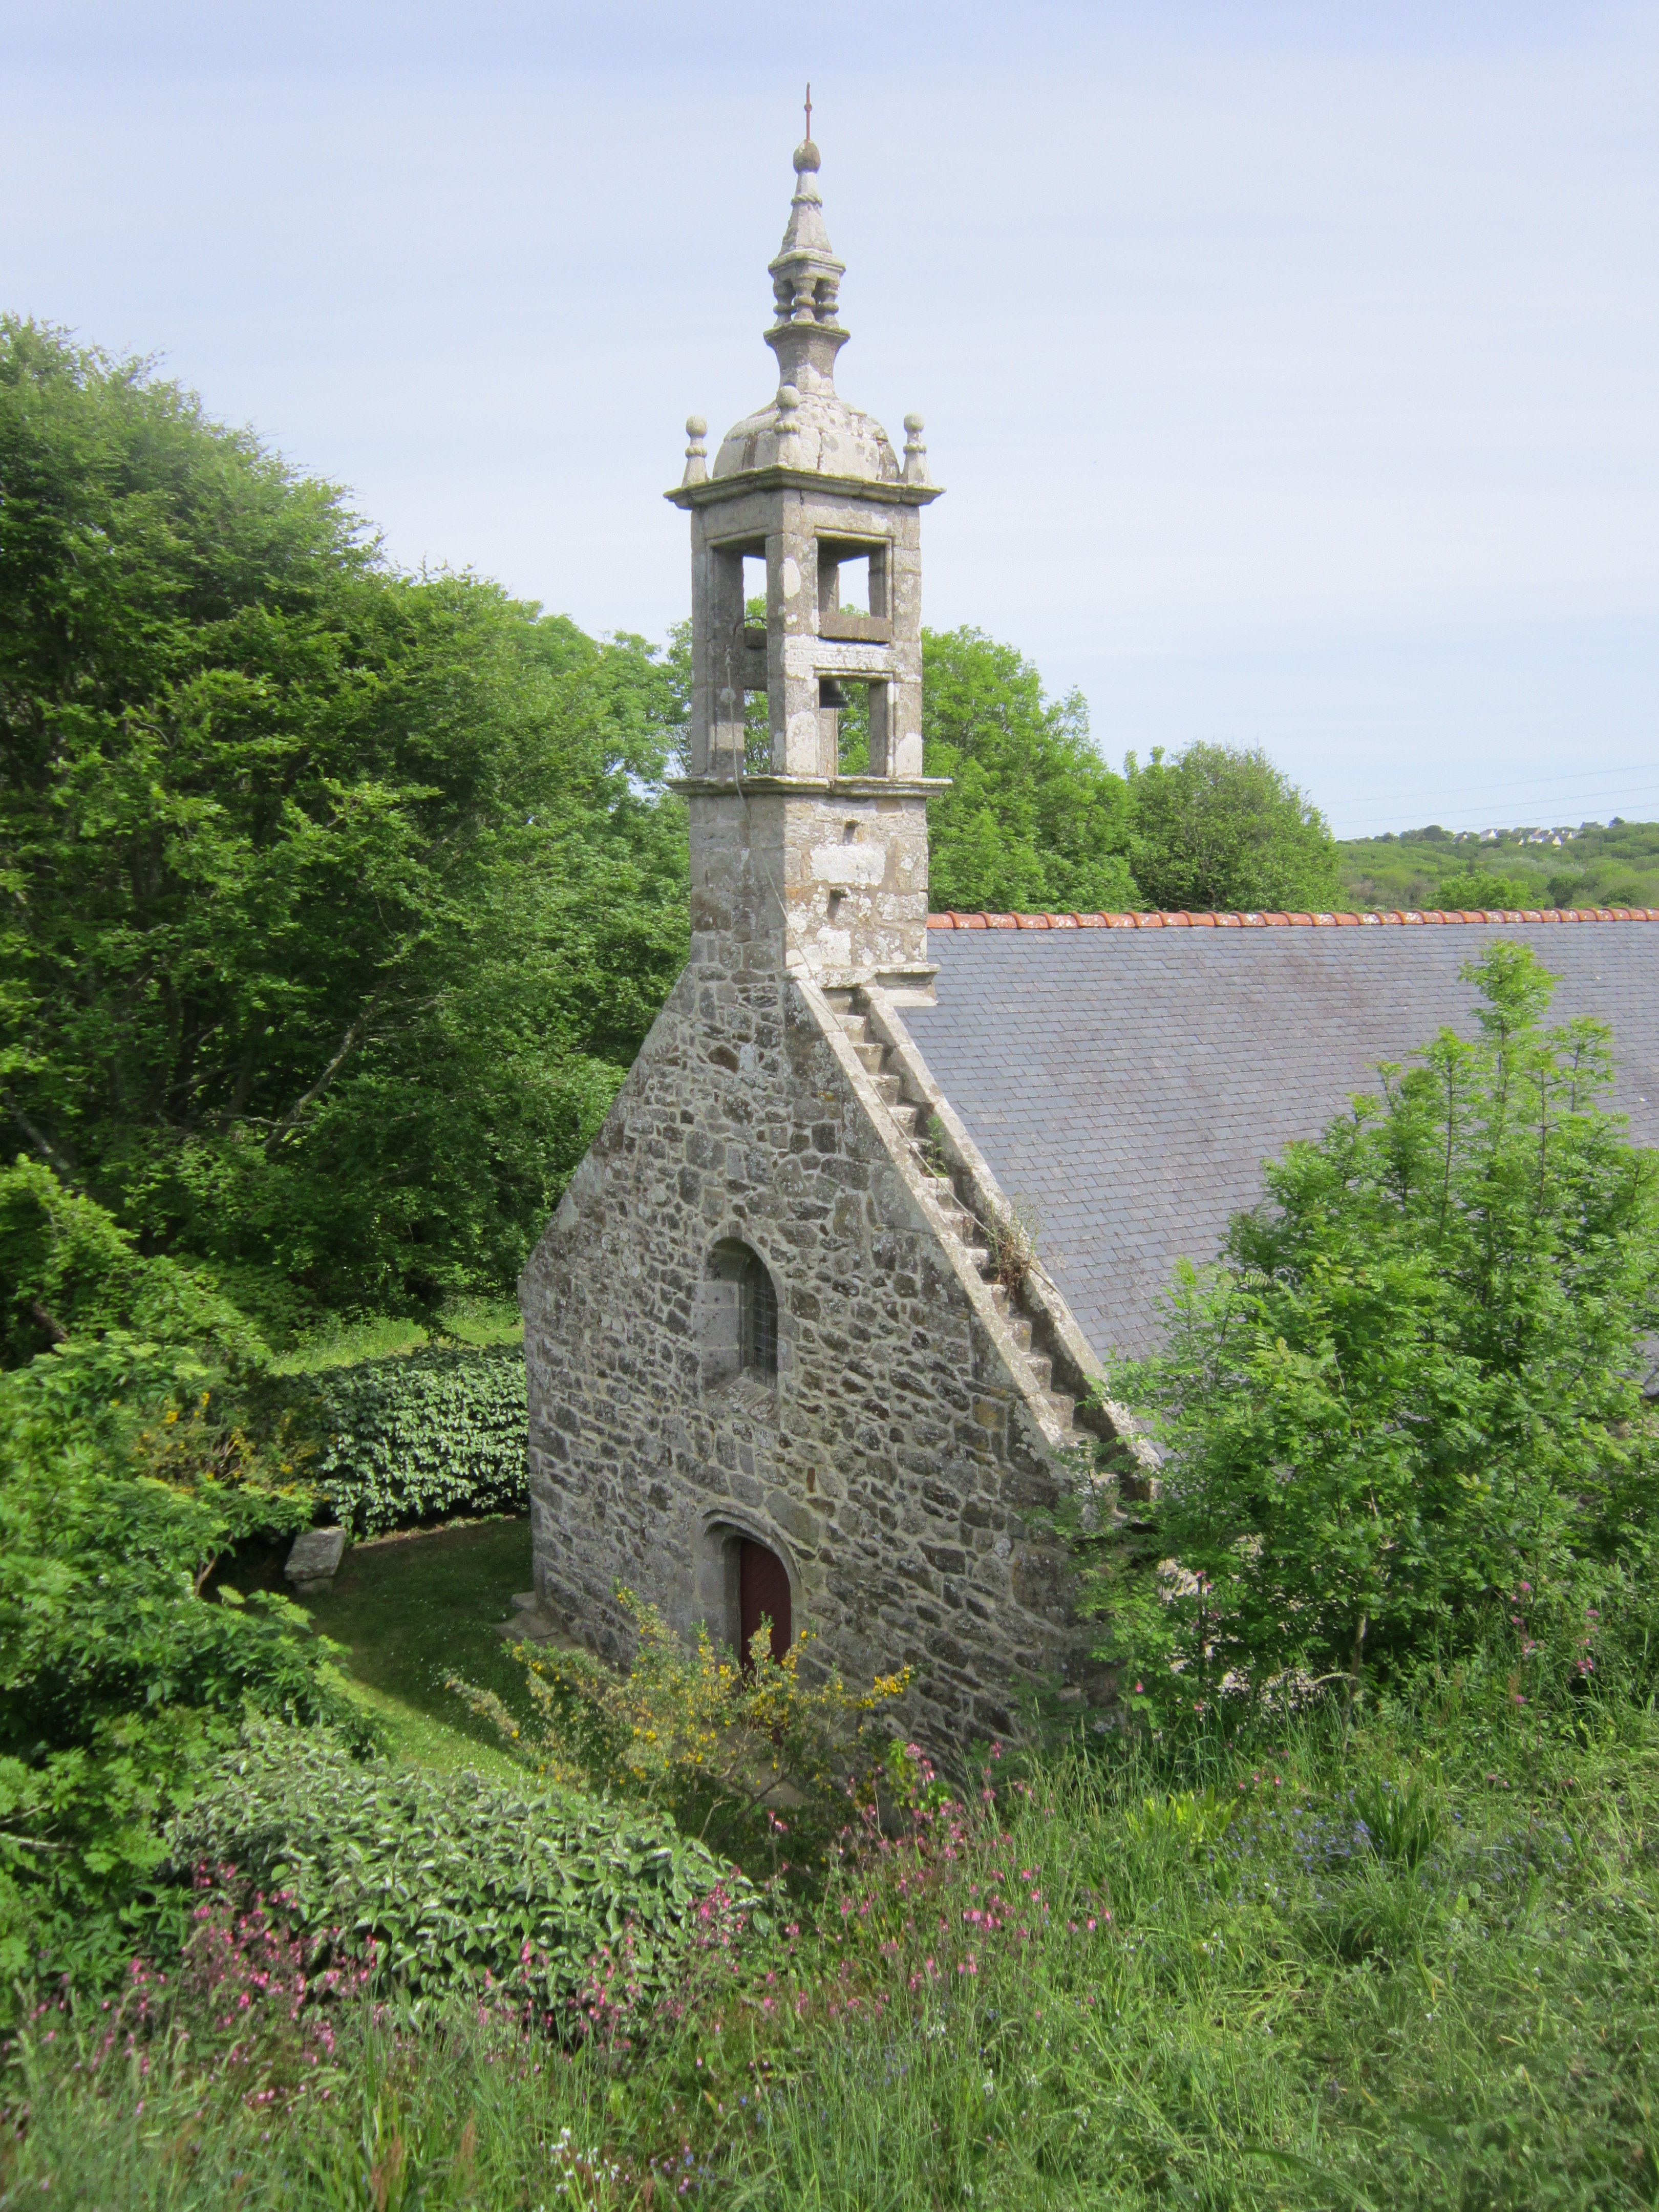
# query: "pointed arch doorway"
[762,1588]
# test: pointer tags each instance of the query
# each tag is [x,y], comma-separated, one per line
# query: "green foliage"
[1411,1390]
[67,1268]
[336,901]
[422,1434]
[1223,831]
[130,1469]
[1035,819]
[117,1676]
[1401,1819]
[1615,864]
[1192,1821]
[1284,2021]
[460,1882]
[1473,890]
[689,1725]
[338,1342]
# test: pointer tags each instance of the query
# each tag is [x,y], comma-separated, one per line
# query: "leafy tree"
[1218,830]
[1472,889]
[336,901]
[131,1471]
[1035,819]
[67,1268]
[1411,1387]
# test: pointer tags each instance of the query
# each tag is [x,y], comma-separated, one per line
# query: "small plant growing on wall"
[1014,1233]
[931,1146]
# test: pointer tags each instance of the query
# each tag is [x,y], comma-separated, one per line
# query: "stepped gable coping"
[1394,918]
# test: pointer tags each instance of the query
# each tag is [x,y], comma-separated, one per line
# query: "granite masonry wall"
[894,1463]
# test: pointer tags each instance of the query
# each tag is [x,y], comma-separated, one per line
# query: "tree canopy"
[1035,819]
[1220,831]
[336,900]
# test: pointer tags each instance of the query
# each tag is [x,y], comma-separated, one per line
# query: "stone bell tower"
[772,1369]
[796,866]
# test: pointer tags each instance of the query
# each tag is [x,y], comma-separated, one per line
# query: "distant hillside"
[1615,864]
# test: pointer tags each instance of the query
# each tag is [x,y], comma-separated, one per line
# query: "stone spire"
[805,279]
[801,865]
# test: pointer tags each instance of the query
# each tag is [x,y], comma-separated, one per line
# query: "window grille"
[757,1318]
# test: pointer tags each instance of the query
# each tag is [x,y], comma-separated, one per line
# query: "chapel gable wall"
[893,1463]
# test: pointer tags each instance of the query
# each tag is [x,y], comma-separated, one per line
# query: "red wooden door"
[764,1588]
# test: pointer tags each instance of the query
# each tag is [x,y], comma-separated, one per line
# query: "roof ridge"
[1397,917]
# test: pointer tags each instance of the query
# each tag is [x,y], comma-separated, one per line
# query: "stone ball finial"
[916,454]
[788,399]
[697,455]
[807,157]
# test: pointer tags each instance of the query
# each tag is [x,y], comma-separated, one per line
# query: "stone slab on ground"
[534,1622]
[315,1559]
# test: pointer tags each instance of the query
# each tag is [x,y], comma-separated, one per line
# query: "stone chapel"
[784,1358]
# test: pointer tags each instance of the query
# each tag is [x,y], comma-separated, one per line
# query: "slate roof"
[1127,1075]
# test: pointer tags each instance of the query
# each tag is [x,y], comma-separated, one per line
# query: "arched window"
[739,1318]
[757,1318]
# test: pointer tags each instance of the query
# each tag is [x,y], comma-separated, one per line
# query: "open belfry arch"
[768,1347]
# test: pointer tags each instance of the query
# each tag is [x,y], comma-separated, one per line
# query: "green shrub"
[462,1882]
[1472,889]
[421,1435]
[129,1471]
[1411,1391]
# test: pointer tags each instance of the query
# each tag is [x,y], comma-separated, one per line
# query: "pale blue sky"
[1294,372]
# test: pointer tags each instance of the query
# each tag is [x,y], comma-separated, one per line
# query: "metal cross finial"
[809,111]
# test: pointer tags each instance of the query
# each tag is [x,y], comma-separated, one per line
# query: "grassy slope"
[1616,866]
[412,1610]
[1277,2015]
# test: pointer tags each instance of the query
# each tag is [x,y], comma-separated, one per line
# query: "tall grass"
[1407,1961]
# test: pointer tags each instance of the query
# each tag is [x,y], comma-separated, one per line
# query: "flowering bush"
[691,1719]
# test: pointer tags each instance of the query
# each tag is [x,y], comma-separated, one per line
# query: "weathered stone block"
[313,1559]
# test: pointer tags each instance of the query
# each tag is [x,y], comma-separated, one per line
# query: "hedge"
[422,1435]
